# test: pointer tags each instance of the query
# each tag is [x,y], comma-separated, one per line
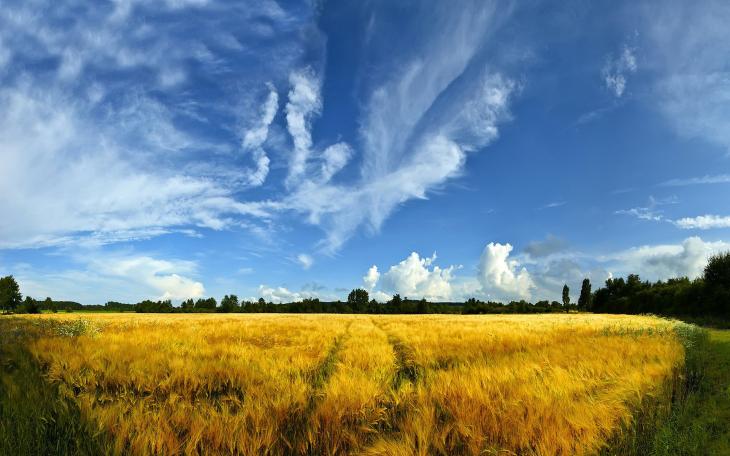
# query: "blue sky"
[189,148]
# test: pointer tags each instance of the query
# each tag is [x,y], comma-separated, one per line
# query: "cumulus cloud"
[282,294]
[703,222]
[100,276]
[617,69]
[660,262]
[417,277]
[371,277]
[381,296]
[161,275]
[502,277]
[652,213]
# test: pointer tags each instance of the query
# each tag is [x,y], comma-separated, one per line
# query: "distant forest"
[708,295]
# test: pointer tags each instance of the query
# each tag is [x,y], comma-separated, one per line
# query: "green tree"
[188,305]
[10,297]
[358,300]
[717,271]
[30,306]
[205,304]
[584,300]
[395,304]
[229,304]
[566,297]
[49,305]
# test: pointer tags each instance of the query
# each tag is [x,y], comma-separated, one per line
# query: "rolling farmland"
[352,384]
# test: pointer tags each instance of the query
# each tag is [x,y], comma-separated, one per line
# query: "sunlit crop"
[365,384]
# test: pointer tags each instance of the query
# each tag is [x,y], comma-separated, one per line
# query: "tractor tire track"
[295,430]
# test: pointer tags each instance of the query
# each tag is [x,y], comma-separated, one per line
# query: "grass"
[372,385]
[700,423]
[35,418]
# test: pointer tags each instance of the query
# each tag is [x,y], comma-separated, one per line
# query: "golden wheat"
[334,384]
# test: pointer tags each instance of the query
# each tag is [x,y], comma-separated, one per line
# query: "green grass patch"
[700,422]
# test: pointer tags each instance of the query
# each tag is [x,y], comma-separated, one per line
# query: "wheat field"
[356,384]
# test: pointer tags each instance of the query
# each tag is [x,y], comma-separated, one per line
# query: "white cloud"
[282,294]
[501,277]
[371,278]
[651,211]
[335,158]
[690,48]
[419,122]
[160,275]
[660,262]
[703,222]
[92,148]
[255,137]
[616,70]
[421,117]
[114,276]
[306,261]
[68,180]
[716,179]
[642,213]
[430,161]
[417,277]
[304,103]
[380,296]
[554,204]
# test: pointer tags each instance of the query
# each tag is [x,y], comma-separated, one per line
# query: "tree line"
[708,295]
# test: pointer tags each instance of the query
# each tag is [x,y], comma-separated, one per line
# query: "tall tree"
[358,300]
[584,300]
[566,297]
[10,297]
[229,304]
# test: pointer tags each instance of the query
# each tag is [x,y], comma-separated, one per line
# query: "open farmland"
[357,384]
